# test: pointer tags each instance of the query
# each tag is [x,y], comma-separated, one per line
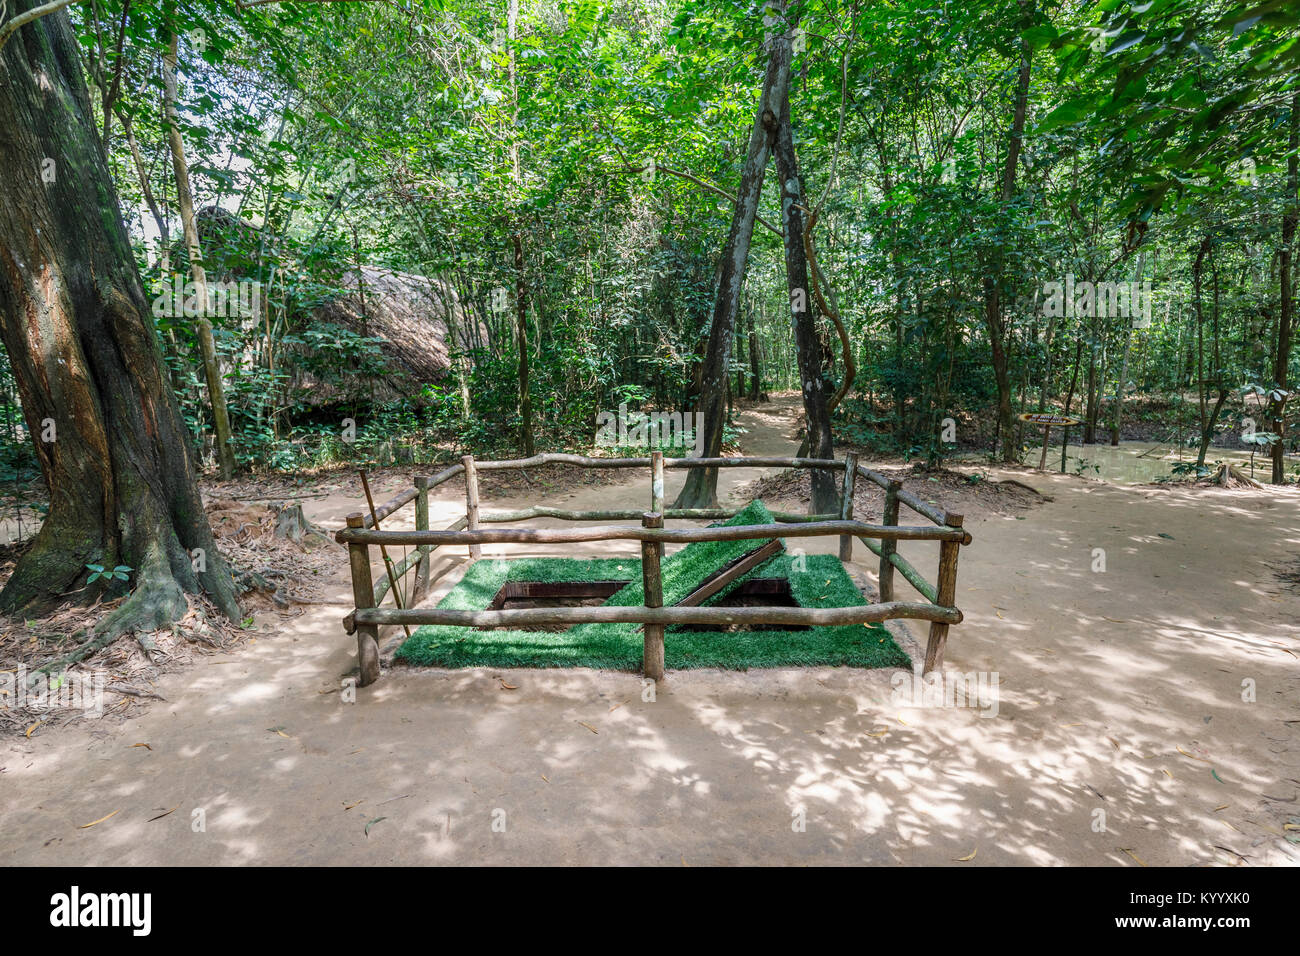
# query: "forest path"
[1103,678]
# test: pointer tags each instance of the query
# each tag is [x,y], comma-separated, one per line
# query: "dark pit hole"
[756,592]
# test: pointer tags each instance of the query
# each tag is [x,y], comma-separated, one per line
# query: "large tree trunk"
[817,419]
[701,488]
[202,327]
[81,341]
[1282,357]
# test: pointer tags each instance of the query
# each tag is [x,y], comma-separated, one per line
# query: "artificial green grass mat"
[817,580]
[683,571]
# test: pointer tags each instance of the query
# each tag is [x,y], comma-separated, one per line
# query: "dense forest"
[245,237]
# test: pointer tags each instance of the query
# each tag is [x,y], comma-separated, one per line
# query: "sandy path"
[1103,676]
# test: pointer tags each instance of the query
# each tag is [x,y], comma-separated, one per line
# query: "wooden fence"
[361,533]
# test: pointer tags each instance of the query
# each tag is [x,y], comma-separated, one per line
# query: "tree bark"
[701,488]
[80,337]
[817,419]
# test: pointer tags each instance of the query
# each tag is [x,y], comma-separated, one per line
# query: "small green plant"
[118,573]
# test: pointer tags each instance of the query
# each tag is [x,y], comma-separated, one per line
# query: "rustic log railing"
[939,607]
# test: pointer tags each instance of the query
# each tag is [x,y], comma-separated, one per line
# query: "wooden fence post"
[363,596]
[946,592]
[889,545]
[846,506]
[471,503]
[652,659]
[657,482]
[422,571]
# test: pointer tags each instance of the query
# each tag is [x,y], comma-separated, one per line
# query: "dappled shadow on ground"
[1121,691]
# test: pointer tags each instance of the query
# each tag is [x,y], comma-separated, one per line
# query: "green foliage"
[97,571]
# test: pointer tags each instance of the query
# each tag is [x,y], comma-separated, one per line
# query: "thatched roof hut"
[408,313]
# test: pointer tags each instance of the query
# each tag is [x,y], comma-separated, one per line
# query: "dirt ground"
[1125,731]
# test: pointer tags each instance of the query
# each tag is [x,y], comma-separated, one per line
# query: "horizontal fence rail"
[740,532]
[881,539]
[719,616]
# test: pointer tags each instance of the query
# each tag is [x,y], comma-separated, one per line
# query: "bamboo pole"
[938,515]
[905,568]
[946,596]
[652,655]
[471,504]
[846,504]
[363,597]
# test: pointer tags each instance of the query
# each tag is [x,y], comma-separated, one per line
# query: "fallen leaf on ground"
[349,806]
[145,746]
[505,686]
[1193,756]
[100,820]
[33,727]
[161,815]
[1132,854]
[968,858]
[371,823]
[589,727]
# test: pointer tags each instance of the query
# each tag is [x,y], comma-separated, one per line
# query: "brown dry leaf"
[33,727]
[1167,773]
[967,859]
[1132,854]
[161,815]
[1113,742]
[505,686]
[879,733]
[589,727]
[100,820]
[1226,805]
[543,776]
[1193,756]
[145,746]
[349,806]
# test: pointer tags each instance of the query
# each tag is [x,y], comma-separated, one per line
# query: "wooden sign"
[1047,420]
[1043,418]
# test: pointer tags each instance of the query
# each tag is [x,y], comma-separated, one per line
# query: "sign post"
[1047,420]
